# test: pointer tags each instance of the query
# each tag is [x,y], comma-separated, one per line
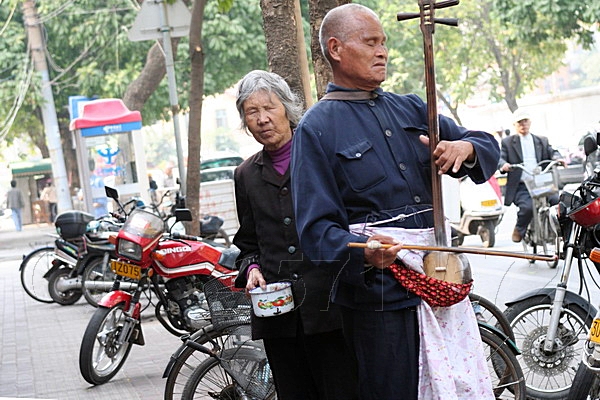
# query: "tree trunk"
[302,57]
[318,9]
[195,116]
[145,84]
[282,46]
[69,154]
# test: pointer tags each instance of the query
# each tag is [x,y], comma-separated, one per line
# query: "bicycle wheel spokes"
[33,268]
[505,372]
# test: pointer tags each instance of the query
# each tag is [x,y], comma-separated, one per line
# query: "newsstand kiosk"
[110,152]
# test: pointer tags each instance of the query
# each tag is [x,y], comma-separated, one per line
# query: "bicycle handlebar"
[550,165]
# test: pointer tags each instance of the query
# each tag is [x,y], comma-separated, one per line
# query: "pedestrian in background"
[48,195]
[153,188]
[305,347]
[14,201]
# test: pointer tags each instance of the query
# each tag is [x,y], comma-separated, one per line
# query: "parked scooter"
[480,212]
[174,267]
[81,250]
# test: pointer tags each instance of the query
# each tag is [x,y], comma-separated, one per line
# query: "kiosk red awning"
[105,112]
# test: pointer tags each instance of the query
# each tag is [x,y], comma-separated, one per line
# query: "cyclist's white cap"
[520,115]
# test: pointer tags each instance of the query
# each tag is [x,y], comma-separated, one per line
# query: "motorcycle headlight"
[130,250]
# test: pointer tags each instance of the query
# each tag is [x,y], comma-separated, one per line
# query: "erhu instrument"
[442,262]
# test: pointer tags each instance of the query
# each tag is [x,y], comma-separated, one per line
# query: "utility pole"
[173,100]
[159,20]
[37,49]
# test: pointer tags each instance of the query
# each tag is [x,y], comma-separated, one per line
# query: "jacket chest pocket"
[361,166]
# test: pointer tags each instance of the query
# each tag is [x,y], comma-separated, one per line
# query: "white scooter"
[477,210]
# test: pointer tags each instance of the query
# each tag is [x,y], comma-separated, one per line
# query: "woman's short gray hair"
[258,80]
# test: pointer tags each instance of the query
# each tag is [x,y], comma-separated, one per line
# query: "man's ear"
[334,46]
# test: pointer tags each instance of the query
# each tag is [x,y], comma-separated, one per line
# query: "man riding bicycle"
[527,149]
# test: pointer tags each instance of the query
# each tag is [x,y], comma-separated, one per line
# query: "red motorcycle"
[172,266]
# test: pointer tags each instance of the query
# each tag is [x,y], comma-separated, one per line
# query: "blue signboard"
[110,129]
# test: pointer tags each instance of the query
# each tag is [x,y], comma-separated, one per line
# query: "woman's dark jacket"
[267,236]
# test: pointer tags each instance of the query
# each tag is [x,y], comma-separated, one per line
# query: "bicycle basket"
[541,185]
[227,308]
[261,383]
[253,374]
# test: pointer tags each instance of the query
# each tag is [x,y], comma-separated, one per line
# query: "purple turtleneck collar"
[281,157]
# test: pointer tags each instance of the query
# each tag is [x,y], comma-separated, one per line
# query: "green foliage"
[90,54]
[536,21]
[485,53]
[234,44]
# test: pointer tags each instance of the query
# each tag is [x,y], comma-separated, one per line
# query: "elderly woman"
[305,347]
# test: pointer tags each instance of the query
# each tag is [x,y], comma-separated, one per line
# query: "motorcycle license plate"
[125,269]
[489,203]
[595,331]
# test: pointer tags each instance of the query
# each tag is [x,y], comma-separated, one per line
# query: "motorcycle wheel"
[97,272]
[65,298]
[548,375]
[185,360]
[487,233]
[33,269]
[505,372]
[252,375]
[586,383]
[101,356]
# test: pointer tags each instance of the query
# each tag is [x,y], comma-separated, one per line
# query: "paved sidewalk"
[39,343]
[15,244]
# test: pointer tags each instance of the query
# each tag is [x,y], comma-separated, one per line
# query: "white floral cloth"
[452,364]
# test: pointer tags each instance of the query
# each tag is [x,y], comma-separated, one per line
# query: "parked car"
[232,161]
[217,174]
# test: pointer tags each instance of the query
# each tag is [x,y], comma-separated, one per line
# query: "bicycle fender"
[175,356]
[115,297]
[511,345]
[570,298]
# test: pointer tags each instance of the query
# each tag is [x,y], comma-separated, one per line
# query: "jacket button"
[417,199]
[402,166]
[287,221]
[292,249]
[295,276]
[284,191]
[388,133]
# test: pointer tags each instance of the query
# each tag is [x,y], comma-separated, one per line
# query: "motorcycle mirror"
[183,214]
[111,193]
[590,144]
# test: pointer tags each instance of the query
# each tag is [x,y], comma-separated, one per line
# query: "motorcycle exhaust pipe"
[64,285]
[107,286]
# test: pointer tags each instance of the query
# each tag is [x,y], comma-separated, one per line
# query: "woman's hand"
[255,279]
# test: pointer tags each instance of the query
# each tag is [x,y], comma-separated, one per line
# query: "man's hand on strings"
[451,154]
[382,258]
